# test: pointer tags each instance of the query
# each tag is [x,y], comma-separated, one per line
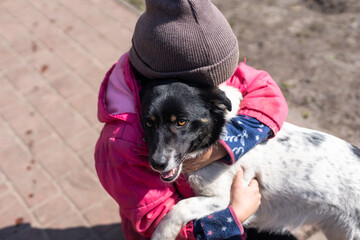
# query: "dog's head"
[179,120]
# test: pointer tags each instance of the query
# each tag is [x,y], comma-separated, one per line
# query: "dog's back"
[307,177]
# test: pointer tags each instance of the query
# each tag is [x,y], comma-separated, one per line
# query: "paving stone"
[8,97]
[5,135]
[127,17]
[48,32]
[6,201]
[83,140]
[56,12]
[46,100]
[29,16]
[14,218]
[67,122]
[82,188]
[14,5]
[105,214]
[3,187]
[5,16]
[92,15]
[87,156]
[103,49]
[30,127]
[8,58]
[5,85]
[121,37]
[88,96]
[8,113]
[20,37]
[52,210]
[45,143]
[24,78]
[69,84]
[59,160]
[77,30]
[26,176]
[94,74]
[73,55]
[53,57]
[47,63]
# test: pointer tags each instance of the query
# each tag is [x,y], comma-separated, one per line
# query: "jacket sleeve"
[263,98]
[219,225]
[142,197]
[241,135]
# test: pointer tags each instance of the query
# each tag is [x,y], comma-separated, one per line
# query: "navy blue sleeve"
[220,225]
[242,134]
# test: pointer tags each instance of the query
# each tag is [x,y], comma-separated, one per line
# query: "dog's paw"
[165,232]
[168,228]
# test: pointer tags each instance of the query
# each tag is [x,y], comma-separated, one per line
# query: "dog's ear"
[215,96]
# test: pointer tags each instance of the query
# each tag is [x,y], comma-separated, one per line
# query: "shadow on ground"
[25,231]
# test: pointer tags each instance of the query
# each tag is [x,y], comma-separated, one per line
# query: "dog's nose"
[158,164]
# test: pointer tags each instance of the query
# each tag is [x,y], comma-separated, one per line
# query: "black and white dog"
[305,176]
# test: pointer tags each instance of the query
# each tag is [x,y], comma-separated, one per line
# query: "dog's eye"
[149,124]
[181,122]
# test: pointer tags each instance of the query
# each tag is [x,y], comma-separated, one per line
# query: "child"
[191,41]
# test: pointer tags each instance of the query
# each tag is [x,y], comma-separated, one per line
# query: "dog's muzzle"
[172,175]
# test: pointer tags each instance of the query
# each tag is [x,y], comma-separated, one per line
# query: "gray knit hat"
[185,39]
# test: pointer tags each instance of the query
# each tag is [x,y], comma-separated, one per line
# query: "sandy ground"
[312,49]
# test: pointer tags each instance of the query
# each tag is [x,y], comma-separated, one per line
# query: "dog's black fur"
[202,110]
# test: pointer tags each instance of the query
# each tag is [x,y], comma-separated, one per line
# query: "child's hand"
[215,152]
[244,200]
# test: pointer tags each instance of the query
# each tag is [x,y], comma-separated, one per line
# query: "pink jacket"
[121,153]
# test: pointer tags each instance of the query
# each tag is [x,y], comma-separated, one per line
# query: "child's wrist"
[239,214]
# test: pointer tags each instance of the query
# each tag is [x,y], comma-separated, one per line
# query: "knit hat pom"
[185,39]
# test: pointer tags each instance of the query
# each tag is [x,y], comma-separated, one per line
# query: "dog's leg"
[185,211]
[339,230]
[357,234]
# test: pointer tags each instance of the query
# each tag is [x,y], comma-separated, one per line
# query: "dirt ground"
[312,49]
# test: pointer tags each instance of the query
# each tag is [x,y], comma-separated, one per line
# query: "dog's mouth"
[172,175]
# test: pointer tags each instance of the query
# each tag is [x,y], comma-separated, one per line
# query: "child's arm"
[242,134]
[227,223]
[262,97]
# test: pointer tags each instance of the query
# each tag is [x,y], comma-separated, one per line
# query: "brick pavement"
[53,56]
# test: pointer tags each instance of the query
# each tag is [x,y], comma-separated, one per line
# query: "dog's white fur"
[305,177]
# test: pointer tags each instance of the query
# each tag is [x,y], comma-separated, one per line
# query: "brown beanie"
[185,39]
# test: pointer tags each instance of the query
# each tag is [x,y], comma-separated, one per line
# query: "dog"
[305,176]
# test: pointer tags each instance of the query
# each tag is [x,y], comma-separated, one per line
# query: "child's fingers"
[238,177]
[254,183]
[240,173]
